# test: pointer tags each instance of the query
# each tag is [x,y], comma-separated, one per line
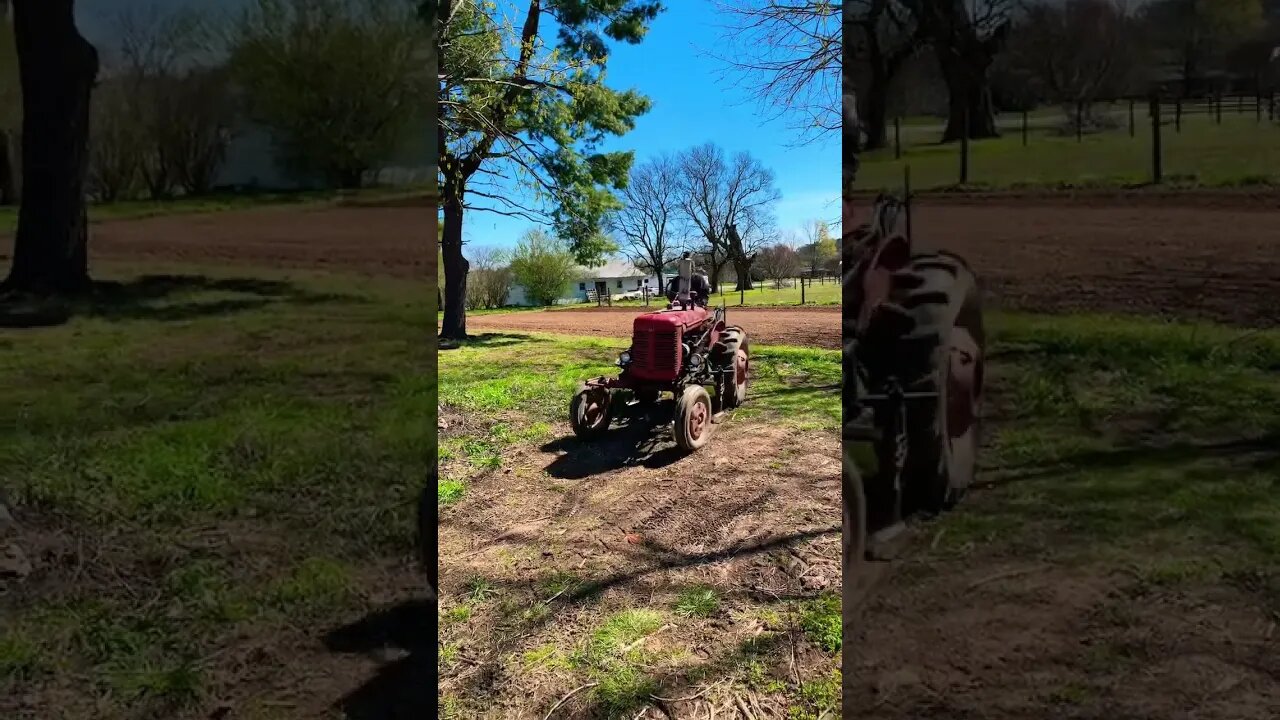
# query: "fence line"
[1180,107]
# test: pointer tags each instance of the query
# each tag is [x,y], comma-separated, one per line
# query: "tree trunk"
[875,110]
[57,67]
[743,267]
[714,280]
[454,324]
[969,92]
[8,190]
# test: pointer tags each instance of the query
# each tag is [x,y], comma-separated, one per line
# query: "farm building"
[615,277]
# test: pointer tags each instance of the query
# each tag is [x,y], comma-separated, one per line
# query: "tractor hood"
[671,319]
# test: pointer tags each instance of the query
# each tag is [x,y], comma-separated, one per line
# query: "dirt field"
[807,327]
[367,240]
[1215,257]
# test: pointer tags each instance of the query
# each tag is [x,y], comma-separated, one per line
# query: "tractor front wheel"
[692,423]
[590,412]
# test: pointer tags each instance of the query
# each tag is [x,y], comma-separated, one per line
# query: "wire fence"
[1214,140]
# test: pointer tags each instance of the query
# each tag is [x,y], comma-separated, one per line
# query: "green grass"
[220,202]
[237,454]
[1238,152]
[1147,446]
[697,602]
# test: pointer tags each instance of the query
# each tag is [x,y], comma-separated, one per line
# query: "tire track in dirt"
[802,327]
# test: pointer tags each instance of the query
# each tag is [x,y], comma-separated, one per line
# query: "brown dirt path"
[802,327]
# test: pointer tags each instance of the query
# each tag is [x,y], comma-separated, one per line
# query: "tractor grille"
[655,355]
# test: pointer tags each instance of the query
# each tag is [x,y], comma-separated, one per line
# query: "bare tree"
[1075,51]
[10,108]
[181,96]
[650,219]
[1196,33]
[886,36]
[116,143]
[490,281]
[786,53]
[729,203]
[778,262]
[966,36]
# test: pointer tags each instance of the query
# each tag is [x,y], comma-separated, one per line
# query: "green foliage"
[546,111]
[338,83]
[544,266]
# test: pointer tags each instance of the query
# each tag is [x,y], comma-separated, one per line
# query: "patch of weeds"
[177,685]
[1070,694]
[448,652]
[458,613]
[622,689]
[449,492]
[450,708]
[547,656]
[20,658]
[624,629]
[820,621]
[478,589]
[697,602]
[560,582]
[318,585]
[817,699]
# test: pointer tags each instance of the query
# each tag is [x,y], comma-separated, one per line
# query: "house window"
[619,284]
[639,282]
[582,286]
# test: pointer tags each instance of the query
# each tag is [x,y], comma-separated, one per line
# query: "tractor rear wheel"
[590,412]
[692,424]
[732,350]
[940,347]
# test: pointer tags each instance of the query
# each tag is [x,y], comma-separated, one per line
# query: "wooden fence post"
[1132,127]
[1219,109]
[1157,168]
[964,149]
[1024,127]
[1177,114]
[1079,121]
[897,138]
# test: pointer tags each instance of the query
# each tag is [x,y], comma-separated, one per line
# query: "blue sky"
[691,105]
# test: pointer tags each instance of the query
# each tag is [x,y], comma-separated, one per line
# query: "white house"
[615,277]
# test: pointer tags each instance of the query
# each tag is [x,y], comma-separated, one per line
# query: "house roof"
[614,269]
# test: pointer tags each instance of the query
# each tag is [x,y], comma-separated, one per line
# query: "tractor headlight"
[695,360]
[624,359]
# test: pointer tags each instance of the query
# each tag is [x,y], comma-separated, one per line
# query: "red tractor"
[682,350]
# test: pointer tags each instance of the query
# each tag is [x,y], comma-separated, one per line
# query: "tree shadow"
[489,340]
[159,298]
[640,440]
[400,689]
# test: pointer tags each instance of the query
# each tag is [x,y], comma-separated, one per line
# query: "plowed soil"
[1215,257]
[801,327]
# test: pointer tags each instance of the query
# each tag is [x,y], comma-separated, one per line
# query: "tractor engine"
[658,344]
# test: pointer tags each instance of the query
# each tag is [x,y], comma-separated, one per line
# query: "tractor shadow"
[399,688]
[640,438]
[159,298]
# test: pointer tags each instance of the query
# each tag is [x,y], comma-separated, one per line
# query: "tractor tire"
[732,349]
[940,348]
[692,425]
[590,412]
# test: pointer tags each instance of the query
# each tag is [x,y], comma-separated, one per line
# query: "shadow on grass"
[490,340]
[152,297]
[399,689]
[645,561]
